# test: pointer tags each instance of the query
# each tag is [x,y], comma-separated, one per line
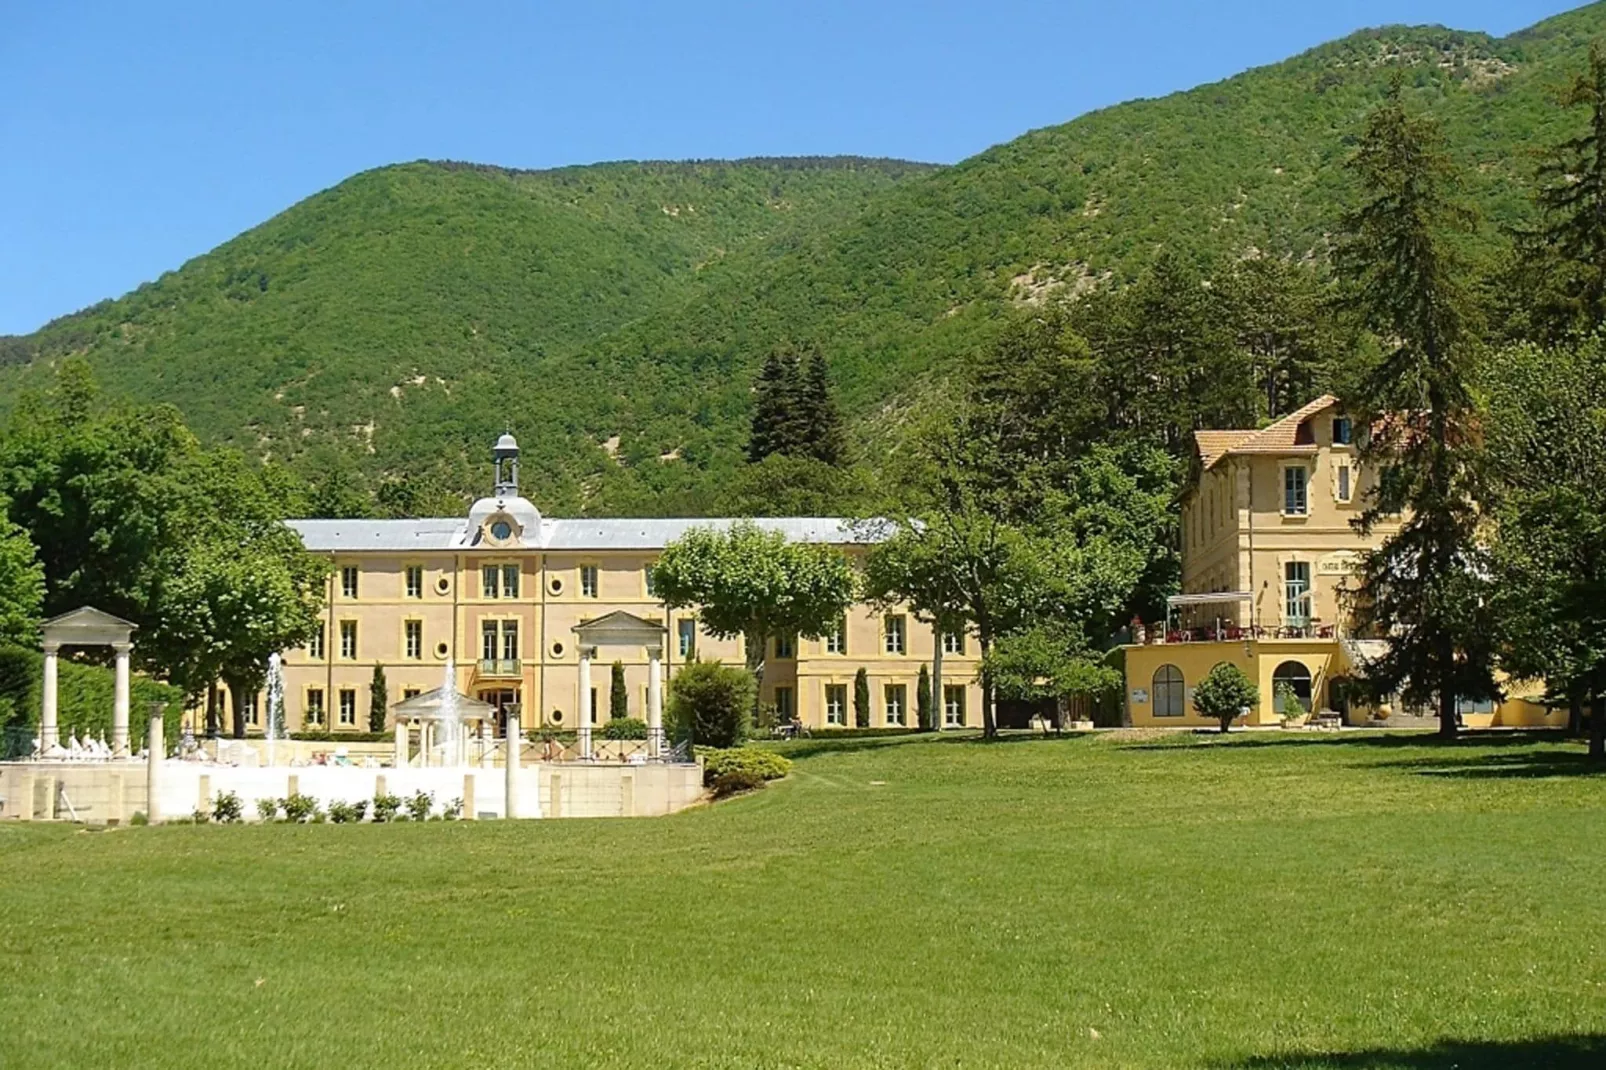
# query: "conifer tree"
[778,391]
[861,699]
[821,423]
[378,700]
[1562,262]
[1422,588]
[618,696]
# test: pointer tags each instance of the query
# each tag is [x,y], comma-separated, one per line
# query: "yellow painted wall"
[1258,660]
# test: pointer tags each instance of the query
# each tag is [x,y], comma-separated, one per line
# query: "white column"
[585,701]
[399,760]
[655,702]
[940,706]
[120,701]
[156,750]
[424,743]
[510,765]
[49,733]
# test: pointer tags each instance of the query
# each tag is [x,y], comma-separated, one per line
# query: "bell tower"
[505,459]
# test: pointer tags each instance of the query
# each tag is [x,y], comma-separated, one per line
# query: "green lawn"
[1267,901]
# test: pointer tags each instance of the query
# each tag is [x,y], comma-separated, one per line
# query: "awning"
[1213,598]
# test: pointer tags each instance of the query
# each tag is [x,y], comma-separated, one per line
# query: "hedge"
[765,764]
[83,700]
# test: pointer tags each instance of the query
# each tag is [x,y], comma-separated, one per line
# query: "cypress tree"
[618,697]
[861,699]
[923,711]
[378,700]
[1422,588]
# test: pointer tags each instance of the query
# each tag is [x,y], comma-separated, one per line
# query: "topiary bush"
[764,764]
[711,704]
[625,728]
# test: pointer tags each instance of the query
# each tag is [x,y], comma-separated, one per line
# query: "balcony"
[501,667]
[1232,633]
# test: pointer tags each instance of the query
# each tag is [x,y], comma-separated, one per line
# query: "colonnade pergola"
[623,629]
[85,626]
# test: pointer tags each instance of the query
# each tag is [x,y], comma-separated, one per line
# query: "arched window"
[1291,678]
[1170,699]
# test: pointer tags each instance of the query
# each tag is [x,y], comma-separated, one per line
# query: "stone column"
[585,701]
[655,702]
[49,733]
[120,701]
[938,699]
[399,758]
[510,765]
[423,744]
[155,750]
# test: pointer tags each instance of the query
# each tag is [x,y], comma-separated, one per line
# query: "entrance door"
[501,698]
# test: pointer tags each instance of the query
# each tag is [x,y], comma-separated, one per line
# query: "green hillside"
[412,311]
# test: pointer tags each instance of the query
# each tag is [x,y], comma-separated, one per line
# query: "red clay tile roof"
[1276,437]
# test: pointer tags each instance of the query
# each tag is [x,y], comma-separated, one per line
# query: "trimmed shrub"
[227,808]
[418,806]
[764,764]
[268,809]
[861,699]
[139,817]
[385,807]
[453,810]
[711,704]
[625,728]
[299,808]
[618,696]
[342,812]
[735,782]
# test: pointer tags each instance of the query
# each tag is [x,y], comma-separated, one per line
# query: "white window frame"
[894,634]
[348,627]
[837,642]
[836,704]
[590,581]
[1304,490]
[1291,617]
[413,639]
[901,692]
[341,705]
[349,582]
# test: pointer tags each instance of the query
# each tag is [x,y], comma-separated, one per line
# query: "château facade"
[497,595]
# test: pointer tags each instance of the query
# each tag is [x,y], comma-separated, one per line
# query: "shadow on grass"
[970,737]
[1555,1053]
[1381,739]
[1531,765]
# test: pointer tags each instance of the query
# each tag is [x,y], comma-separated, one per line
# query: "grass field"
[1263,901]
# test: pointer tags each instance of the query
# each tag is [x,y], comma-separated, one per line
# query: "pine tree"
[618,697]
[821,423]
[1422,588]
[861,699]
[1562,262]
[778,392]
[378,700]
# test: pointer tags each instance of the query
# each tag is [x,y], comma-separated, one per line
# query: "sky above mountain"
[138,136]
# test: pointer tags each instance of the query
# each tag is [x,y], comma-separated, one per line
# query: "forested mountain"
[614,316]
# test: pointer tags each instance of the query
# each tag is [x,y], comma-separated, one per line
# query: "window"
[1169,696]
[410,692]
[836,704]
[252,712]
[892,636]
[499,581]
[1296,593]
[651,582]
[895,701]
[415,581]
[784,707]
[1295,501]
[348,705]
[510,640]
[489,581]
[785,646]
[314,712]
[348,581]
[315,644]
[686,634]
[510,581]
[953,642]
[1341,482]
[499,645]
[1290,685]
[953,705]
[588,581]
[348,640]
[488,633]
[837,642]
[413,640]
[1342,431]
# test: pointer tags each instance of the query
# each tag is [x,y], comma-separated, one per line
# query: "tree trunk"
[989,723]
[1447,725]
[754,645]
[237,698]
[1226,724]
[211,711]
[1597,729]
[1575,714]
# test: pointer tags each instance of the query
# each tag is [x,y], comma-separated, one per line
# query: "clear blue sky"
[134,136]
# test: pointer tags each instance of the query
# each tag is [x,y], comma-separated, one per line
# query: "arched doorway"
[1291,681]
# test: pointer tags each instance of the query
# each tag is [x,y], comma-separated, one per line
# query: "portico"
[620,628]
[85,626]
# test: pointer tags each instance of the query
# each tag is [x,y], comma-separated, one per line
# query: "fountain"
[449,735]
[274,714]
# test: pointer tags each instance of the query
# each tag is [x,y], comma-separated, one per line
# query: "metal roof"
[450,533]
